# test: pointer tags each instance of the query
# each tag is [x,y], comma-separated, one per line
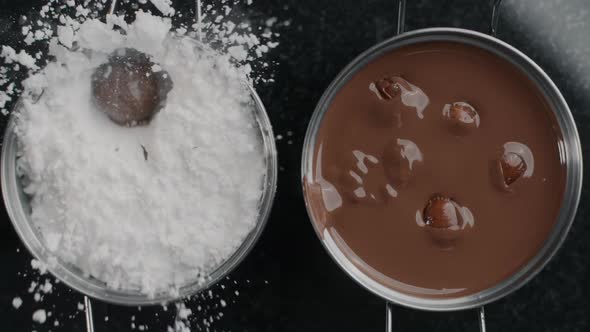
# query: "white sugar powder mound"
[148,208]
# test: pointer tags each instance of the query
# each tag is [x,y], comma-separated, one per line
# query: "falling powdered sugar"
[164,6]
[223,27]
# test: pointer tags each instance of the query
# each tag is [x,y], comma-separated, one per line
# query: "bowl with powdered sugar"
[139,166]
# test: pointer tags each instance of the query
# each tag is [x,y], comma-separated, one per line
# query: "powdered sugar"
[40,316]
[39,266]
[4,98]
[164,6]
[65,35]
[144,225]
[22,57]
[17,302]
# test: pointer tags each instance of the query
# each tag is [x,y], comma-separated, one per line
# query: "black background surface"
[288,282]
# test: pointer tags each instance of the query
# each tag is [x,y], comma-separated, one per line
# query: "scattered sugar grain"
[47,287]
[164,6]
[22,57]
[39,316]
[183,311]
[17,302]
[39,266]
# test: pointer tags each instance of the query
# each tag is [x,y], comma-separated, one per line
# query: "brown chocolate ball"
[388,88]
[513,167]
[445,221]
[441,212]
[462,117]
[128,89]
[506,170]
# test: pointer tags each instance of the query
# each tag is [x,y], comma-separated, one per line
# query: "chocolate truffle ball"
[129,88]
[388,88]
[513,167]
[461,116]
[443,212]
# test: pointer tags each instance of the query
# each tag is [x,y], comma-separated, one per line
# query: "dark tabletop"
[288,282]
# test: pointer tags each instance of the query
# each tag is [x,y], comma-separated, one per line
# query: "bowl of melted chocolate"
[442,169]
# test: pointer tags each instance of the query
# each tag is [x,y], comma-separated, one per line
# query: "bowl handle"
[482,319]
[88,312]
[389,318]
[401,17]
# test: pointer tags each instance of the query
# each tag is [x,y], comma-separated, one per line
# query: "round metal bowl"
[18,208]
[569,147]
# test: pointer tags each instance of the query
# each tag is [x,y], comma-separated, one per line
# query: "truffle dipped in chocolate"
[129,88]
